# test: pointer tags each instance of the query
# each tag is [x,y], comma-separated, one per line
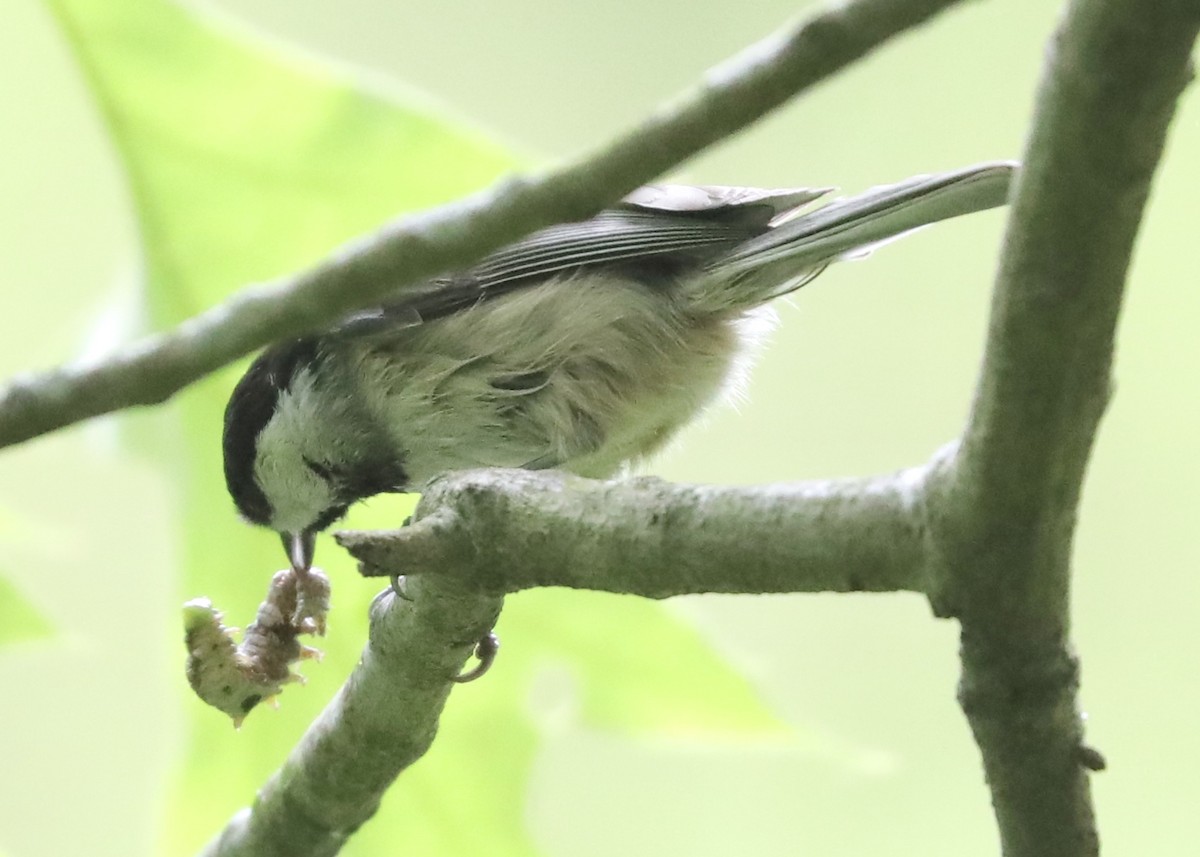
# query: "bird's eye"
[319,469]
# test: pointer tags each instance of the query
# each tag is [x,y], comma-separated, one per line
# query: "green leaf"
[245,162]
[20,621]
[640,666]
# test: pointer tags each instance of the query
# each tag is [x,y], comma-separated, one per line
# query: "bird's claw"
[398,588]
[485,651]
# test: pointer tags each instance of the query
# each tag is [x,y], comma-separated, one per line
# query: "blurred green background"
[589,741]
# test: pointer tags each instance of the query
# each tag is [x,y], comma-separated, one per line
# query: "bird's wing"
[616,235]
[678,227]
[716,200]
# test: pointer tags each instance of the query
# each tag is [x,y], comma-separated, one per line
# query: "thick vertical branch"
[1007,502]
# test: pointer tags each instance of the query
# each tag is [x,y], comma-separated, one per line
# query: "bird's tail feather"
[801,244]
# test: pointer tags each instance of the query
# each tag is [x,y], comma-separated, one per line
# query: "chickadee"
[584,346]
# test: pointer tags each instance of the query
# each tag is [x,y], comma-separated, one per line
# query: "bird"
[585,346]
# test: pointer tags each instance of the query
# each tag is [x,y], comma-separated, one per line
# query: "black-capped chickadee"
[584,346]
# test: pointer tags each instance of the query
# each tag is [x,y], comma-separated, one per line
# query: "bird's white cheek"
[296,494]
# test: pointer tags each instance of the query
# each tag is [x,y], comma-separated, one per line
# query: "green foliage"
[20,621]
[245,163]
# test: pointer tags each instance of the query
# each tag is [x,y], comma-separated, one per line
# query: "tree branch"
[505,530]
[381,721]
[483,533]
[731,97]
[1004,507]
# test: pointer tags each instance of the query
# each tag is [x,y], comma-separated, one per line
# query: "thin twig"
[731,97]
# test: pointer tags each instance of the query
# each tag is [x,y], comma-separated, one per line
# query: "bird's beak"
[299,548]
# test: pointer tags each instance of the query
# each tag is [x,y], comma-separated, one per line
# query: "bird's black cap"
[249,410]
